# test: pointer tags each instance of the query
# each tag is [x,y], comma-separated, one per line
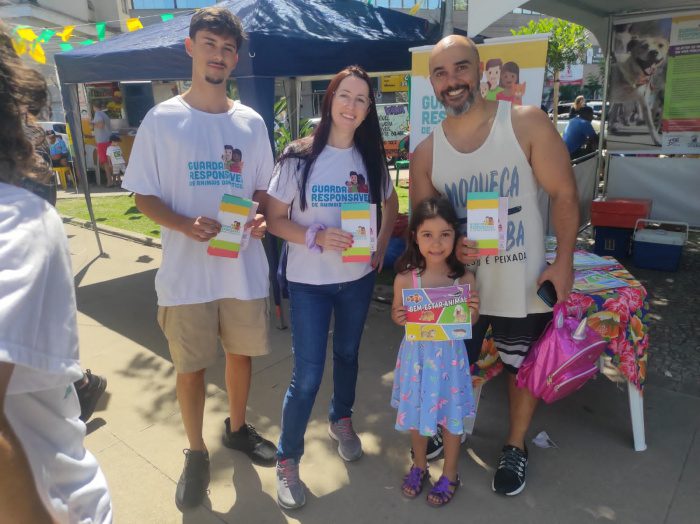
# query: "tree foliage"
[568,44]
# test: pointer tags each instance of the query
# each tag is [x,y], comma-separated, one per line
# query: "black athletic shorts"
[513,337]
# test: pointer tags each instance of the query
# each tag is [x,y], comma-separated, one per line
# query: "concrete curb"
[113,231]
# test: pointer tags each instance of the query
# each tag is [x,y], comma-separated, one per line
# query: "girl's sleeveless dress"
[432,385]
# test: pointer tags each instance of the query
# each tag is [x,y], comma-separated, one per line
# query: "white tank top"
[507,283]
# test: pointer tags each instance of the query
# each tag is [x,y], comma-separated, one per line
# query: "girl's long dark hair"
[368,141]
[412,258]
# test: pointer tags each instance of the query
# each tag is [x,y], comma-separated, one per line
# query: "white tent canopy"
[592,14]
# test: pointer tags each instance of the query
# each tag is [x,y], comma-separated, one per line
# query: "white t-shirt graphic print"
[189,159]
[337,176]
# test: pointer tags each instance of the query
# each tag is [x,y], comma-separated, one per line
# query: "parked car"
[562,111]
[597,106]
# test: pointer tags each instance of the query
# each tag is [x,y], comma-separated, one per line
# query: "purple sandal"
[442,492]
[414,481]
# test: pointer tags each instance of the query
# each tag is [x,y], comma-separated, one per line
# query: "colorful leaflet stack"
[233,215]
[355,218]
[483,220]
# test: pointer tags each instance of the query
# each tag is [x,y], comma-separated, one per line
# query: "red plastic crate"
[619,212]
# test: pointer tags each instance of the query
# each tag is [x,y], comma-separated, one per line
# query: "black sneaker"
[510,475]
[89,393]
[261,451]
[194,480]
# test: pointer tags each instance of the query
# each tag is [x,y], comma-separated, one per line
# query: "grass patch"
[402,193]
[117,211]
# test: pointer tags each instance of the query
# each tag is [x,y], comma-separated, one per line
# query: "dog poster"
[439,313]
[637,88]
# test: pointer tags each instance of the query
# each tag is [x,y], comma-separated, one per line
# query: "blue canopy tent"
[286,38]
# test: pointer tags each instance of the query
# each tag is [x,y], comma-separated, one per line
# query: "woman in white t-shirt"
[313,178]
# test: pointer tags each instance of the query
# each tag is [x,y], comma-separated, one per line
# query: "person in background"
[89,387]
[46,474]
[102,130]
[579,103]
[57,149]
[579,136]
[306,195]
[116,158]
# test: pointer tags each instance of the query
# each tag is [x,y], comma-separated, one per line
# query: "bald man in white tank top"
[490,146]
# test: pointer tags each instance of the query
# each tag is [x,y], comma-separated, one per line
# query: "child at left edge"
[432,383]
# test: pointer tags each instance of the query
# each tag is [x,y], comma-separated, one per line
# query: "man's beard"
[215,81]
[463,107]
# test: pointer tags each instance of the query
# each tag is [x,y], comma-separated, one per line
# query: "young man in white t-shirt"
[46,474]
[177,170]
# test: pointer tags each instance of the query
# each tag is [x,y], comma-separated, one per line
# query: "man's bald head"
[454,43]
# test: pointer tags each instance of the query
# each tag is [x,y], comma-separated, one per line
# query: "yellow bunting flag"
[25,33]
[134,24]
[20,46]
[37,53]
[66,33]
[416,7]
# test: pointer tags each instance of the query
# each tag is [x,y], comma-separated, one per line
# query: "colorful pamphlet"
[483,220]
[585,260]
[502,223]
[587,281]
[373,227]
[234,212]
[356,218]
[439,313]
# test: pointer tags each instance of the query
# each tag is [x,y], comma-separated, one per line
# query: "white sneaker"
[349,444]
[290,488]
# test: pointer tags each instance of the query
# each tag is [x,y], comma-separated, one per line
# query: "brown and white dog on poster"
[636,85]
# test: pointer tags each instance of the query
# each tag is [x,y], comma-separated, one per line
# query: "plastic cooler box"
[619,212]
[658,248]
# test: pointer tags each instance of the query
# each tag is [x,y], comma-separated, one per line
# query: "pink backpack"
[563,359]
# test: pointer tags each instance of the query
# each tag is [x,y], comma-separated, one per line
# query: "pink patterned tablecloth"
[619,315]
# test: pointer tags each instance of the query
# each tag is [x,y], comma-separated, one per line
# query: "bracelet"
[311,237]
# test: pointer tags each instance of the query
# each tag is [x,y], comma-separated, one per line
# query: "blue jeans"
[310,310]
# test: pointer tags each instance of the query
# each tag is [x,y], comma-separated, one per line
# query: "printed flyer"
[483,220]
[439,313]
[360,220]
[234,212]
[589,281]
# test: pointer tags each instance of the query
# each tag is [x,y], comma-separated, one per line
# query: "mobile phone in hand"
[547,293]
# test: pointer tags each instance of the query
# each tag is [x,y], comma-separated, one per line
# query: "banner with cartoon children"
[512,69]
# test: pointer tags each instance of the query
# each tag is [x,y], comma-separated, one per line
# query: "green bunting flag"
[87,42]
[46,35]
[167,16]
[101,28]
[65,46]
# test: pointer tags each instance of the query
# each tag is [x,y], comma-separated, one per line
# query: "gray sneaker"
[349,444]
[290,488]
